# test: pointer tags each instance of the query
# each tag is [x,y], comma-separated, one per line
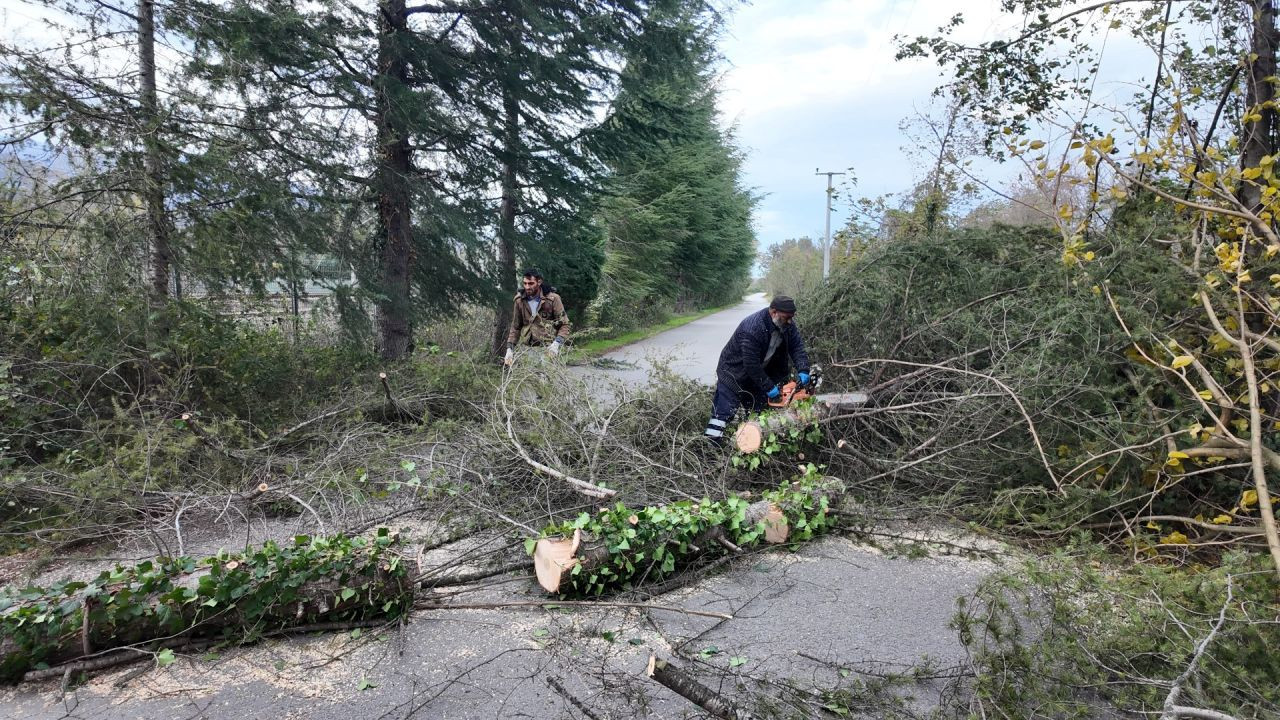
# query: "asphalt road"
[690,350]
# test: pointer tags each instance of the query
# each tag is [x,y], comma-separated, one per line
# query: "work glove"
[774,392]
[804,378]
[554,349]
[510,357]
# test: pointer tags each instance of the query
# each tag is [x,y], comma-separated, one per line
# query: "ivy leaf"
[365,684]
[737,661]
[541,632]
[1182,361]
[529,545]
[609,635]
[164,658]
[347,593]
[709,650]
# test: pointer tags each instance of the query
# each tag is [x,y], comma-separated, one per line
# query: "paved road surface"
[691,350]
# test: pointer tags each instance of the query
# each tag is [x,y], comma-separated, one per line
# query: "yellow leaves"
[1241,425]
[1175,538]
[1175,458]
[1036,144]
[1096,290]
[1182,361]
[1228,256]
[1195,430]
[1223,519]
[1075,251]
[1119,193]
[1063,451]
[1219,344]
[1151,525]
[1272,250]
[1205,395]
[1244,277]
[1064,212]
[1249,498]
[1252,173]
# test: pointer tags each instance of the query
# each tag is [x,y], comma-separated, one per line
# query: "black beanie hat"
[782,303]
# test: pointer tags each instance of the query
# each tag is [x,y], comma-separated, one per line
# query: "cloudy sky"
[813,84]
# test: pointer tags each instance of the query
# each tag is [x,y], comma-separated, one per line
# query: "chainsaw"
[793,392]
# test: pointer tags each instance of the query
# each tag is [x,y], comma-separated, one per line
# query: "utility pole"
[826,241]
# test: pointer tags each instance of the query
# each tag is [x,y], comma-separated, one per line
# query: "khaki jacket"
[551,321]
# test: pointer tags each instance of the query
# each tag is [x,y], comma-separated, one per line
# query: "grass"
[600,346]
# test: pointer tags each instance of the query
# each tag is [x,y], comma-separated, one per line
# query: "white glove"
[554,350]
[509,358]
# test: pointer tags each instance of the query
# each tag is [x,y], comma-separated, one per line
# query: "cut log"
[558,557]
[553,557]
[228,598]
[751,434]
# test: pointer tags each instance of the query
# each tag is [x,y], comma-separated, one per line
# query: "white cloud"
[784,56]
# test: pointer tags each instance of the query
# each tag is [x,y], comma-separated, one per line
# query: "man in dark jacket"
[755,361]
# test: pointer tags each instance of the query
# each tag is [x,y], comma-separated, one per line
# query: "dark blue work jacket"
[742,360]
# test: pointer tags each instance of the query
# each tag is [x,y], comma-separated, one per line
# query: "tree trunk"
[752,433]
[98,627]
[553,558]
[161,255]
[511,151]
[394,166]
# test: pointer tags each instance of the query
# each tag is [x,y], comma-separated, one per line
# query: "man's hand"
[510,357]
[554,349]
[804,378]
[774,392]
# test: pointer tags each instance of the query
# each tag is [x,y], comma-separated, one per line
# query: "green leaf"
[356,633]
[737,661]
[635,641]
[164,658]
[529,545]
[541,632]
[347,594]
[609,635]
[365,684]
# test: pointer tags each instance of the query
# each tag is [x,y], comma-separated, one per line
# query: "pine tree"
[677,215]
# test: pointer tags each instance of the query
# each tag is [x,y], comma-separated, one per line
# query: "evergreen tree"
[539,70]
[677,215]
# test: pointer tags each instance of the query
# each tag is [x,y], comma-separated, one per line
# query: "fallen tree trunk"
[620,548]
[228,597]
[752,433]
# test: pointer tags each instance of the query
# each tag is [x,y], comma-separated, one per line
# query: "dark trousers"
[728,398]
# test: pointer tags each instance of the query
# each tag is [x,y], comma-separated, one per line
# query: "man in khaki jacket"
[538,318]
